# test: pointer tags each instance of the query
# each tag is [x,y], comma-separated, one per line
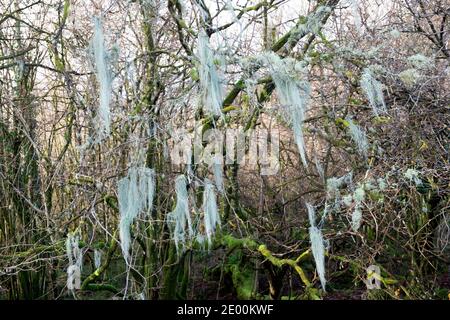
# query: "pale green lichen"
[413,175]
[368,185]
[420,61]
[359,195]
[356,218]
[358,136]
[381,184]
[293,92]
[394,33]
[334,184]
[373,90]
[317,245]
[347,200]
[409,77]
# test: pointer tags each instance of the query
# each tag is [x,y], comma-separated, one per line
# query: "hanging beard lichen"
[317,245]
[210,86]
[211,214]
[373,89]
[135,195]
[180,219]
[104,79]
[75,257]
[293,92]
[218,176]
[358,136]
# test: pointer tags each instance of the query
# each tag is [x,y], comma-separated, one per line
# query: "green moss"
[376,196]
[66,10]
[355,102]
[381,120]
[243,281]
[242,274]
[232,242]
[342,123]
[281,262]
[194,74]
